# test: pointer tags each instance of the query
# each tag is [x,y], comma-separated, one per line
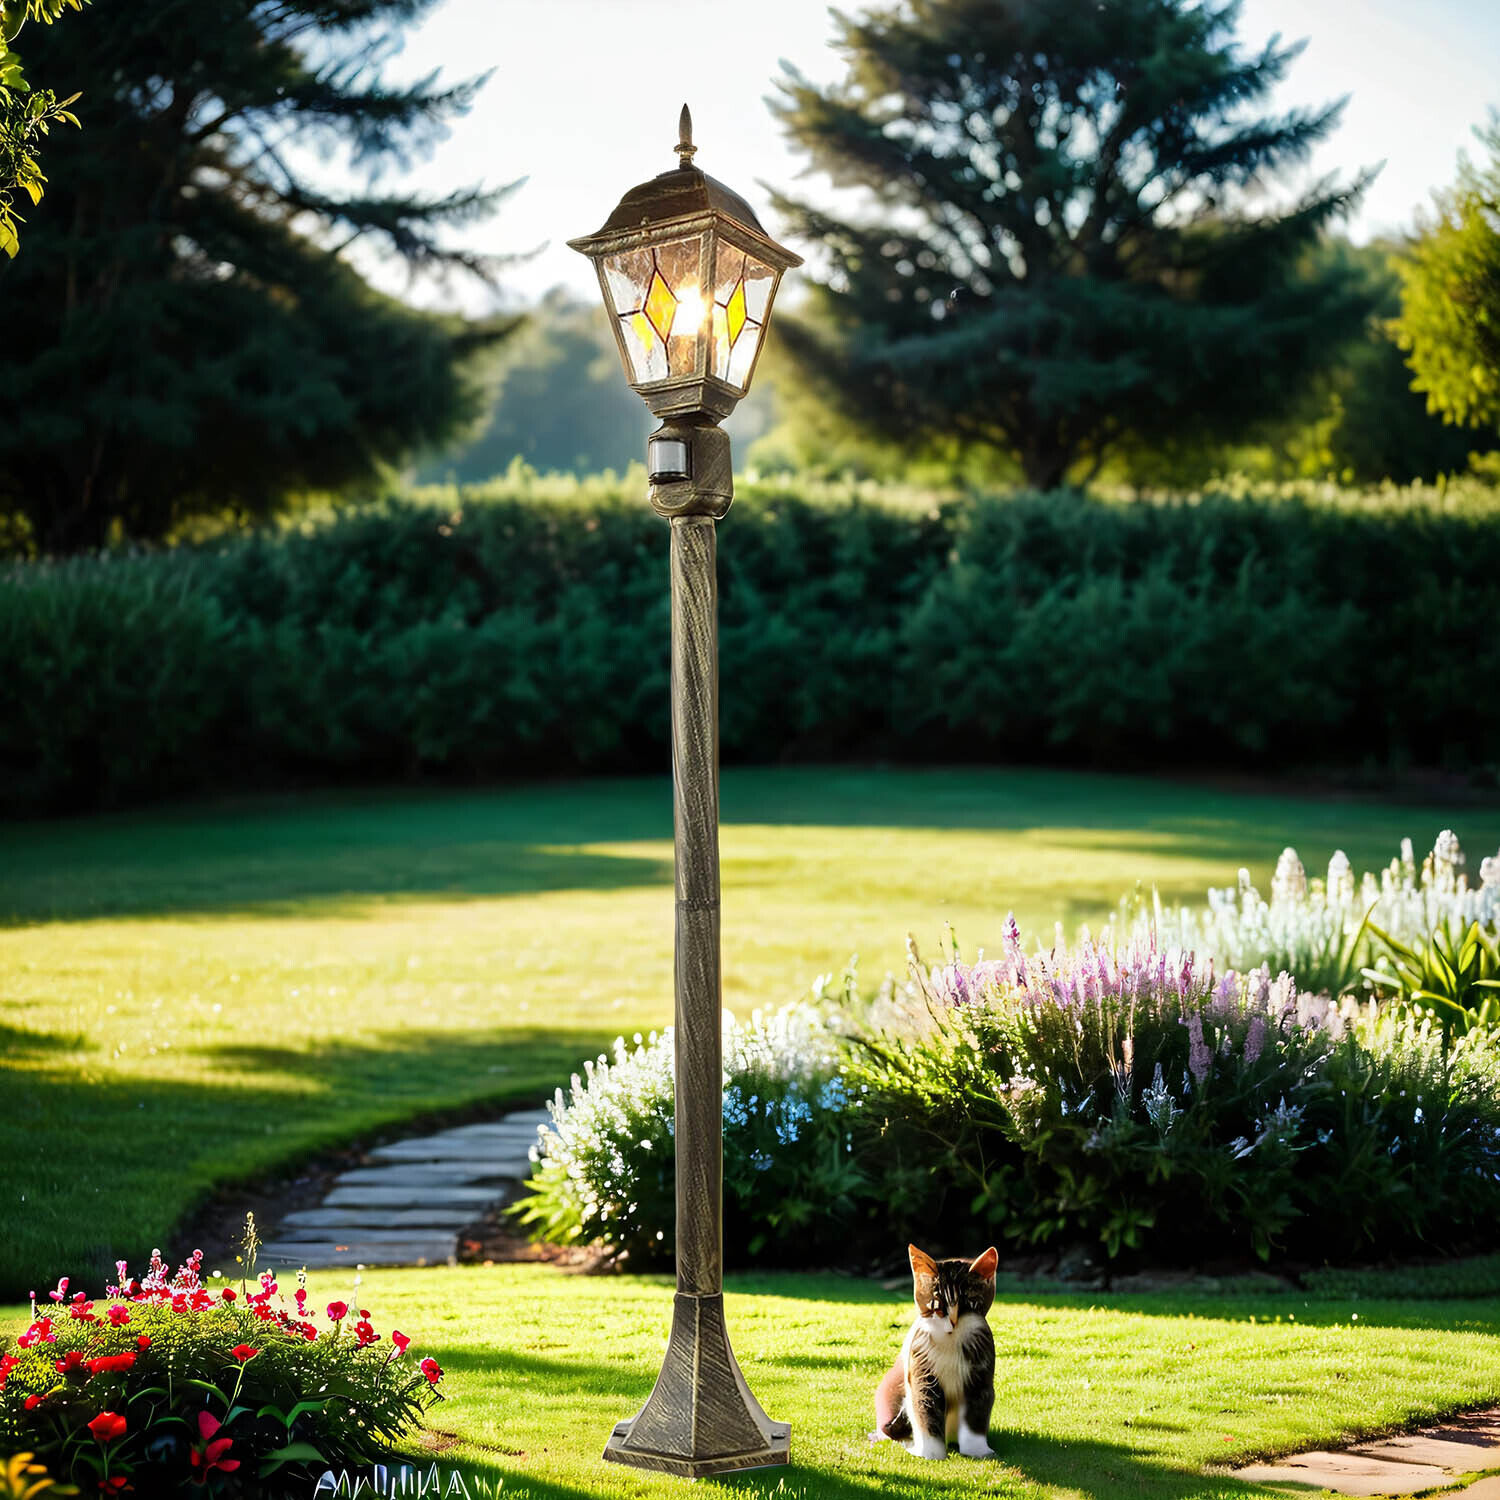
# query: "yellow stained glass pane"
[721,344]
[661,306]
[646,355]
[734,312]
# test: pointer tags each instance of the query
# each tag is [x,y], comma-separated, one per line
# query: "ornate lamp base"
[701,1418]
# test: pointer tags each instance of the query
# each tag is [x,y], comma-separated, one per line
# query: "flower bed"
[170,1385]
[1123,1097]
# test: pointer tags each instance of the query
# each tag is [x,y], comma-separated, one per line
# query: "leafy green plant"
[26,115]
[172,1383]
[1453,976]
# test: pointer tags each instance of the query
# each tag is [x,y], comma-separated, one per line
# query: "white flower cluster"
[1306,924]
[622,1107]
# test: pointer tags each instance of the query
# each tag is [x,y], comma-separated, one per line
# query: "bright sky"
[585,95]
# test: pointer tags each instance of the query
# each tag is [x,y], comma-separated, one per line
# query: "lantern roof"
[673,201]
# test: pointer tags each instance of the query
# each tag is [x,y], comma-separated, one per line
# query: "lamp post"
[688,276]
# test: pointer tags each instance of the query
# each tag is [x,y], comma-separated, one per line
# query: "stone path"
[407,1211]
[1432,1459]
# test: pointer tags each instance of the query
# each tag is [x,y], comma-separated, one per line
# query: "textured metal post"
[701,1417]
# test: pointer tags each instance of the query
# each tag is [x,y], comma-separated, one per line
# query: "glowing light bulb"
[690,310]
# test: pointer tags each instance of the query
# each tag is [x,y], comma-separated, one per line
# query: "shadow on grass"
[278,855]
[106,1165]
[1027,1461]
[1293,1307]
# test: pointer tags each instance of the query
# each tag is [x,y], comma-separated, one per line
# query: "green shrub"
[1124,1100]
[520,629]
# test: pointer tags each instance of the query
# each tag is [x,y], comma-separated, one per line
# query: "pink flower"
[61,1292]
[107,1426]
[40,1332]
[338,1311]
[119,1316]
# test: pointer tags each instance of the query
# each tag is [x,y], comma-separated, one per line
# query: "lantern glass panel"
[657,298]
[742,298]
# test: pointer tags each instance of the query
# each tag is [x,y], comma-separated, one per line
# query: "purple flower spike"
[1255,1038]
[1200,1059]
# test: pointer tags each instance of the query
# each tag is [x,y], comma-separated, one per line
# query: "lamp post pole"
[701,1417]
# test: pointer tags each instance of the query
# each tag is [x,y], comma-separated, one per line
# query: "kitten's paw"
[927,1447]
[880,1437]
[973,1445]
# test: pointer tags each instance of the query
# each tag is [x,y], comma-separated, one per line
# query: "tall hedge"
[519,634]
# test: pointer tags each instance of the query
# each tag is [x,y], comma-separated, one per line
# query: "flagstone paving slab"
[438,1194]
[450,1174]
[1431,1459]
[329,1255]
[352,1220]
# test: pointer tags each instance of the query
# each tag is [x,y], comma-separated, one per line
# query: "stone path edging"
[1433,1458]
[407,1210]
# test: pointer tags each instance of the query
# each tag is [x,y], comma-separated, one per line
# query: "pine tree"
[183,332]
[1066,250]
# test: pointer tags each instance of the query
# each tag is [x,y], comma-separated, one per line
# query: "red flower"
[70,1362]
[229,1294]
[115,1486]
[119,1316]
[431,1369]
[144,1342]
[400,1340]
[242,1352]
[211,1455]
[61,1292]
[107,1426]
[32,1402]
[366,1333]
[8,1362]
[309,1331]
[179,1303]
[111,1364]
[337,1310]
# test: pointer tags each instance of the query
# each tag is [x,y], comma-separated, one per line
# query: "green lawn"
[189,997]
[1110,1396]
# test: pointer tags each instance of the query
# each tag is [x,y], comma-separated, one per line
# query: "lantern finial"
[685,147]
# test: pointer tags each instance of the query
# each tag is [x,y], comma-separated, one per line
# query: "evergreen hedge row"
[519,634]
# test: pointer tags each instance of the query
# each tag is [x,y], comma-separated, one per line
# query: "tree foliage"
[1450,296]
[185,332]
[26,115]
[1070,245]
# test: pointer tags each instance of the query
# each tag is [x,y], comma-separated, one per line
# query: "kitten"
[943,1383]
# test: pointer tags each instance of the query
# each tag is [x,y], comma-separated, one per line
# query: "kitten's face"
[944,1290]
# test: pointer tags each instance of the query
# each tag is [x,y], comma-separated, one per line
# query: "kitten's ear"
[985,1265]
[922,1264]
